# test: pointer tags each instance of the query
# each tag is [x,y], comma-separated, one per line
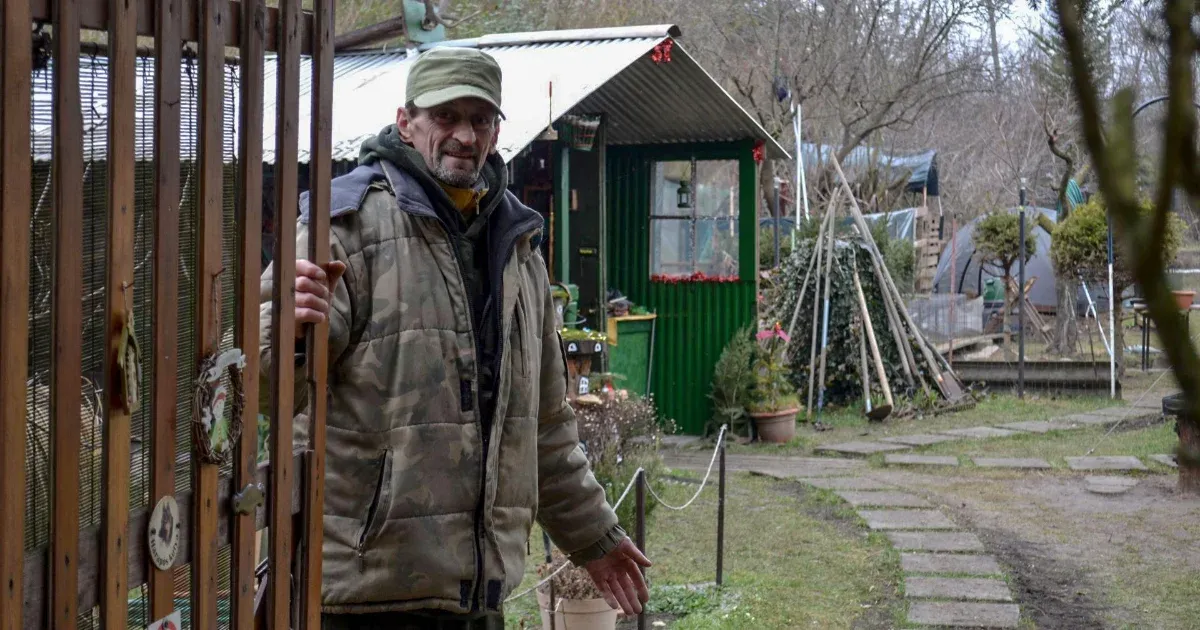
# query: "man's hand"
[314,291]
[618,575]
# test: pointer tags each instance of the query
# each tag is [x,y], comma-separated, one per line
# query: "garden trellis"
[130,235]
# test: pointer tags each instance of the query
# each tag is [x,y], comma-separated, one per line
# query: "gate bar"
[246,336]
[320,176]
[283,313]
[208,303]
[67,318]
[15,166]
[114,601]
[165,358]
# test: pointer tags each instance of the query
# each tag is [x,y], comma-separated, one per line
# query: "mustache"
[454,146]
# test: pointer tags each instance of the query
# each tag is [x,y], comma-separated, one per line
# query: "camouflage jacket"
[423,509]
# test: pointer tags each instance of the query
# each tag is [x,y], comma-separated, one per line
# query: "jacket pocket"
[376,513]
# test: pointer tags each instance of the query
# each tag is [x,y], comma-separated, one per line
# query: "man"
[448,427]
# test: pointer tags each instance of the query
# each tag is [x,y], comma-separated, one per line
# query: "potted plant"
[577,603]
[774,403]
[732,382]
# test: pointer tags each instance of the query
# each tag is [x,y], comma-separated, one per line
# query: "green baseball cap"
[444,74]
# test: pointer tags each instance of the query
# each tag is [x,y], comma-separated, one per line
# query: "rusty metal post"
[549,562]
[641,532]
[721,515]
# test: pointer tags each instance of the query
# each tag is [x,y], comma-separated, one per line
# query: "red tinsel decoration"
[699,276]
[760,151]
[662,52]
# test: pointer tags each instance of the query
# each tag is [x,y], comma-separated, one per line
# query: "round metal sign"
[164,533]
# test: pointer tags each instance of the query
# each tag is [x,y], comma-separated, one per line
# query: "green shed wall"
[695,320]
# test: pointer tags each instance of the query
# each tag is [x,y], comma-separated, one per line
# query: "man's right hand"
[314,291]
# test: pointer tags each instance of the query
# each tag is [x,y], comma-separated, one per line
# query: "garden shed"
[645,170]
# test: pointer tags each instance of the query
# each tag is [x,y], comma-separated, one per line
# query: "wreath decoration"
[213,431]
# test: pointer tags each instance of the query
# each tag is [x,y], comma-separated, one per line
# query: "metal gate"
[131,210]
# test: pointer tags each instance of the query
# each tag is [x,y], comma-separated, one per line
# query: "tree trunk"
[991,16]
[1004,312]
[1189,454]
[1066,324]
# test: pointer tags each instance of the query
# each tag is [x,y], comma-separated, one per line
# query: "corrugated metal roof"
[546,75]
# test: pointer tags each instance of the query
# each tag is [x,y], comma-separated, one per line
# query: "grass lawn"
[794,558]
[1154,595]
[1054,446]
[850,423]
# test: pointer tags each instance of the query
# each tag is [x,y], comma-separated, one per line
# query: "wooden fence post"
[15,164]
[249,222]
[317,349]
[283,324]
[119,292]
[165,360]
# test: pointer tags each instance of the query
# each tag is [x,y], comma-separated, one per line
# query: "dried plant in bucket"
[577,603]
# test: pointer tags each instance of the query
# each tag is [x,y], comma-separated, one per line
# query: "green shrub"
[1080,245]
[731,384]
[773,390]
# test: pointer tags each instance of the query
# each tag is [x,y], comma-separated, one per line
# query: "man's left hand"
[618,575]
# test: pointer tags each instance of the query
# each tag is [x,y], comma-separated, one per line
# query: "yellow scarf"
[465,199]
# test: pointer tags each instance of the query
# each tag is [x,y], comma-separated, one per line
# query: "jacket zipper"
[372,513]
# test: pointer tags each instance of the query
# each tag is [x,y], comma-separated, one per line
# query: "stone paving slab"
[1027,463]
[862,448]
[978,589]
[783,467]
[858,498]
[1110,485]
[1039,426]
[935,541]
[1166,460]
[1090,419]
[1126,412]
[906,519]
[1127,462]
[920,460]
[966,564]
[981,432]
[920,439]
[975,615]
[846,483]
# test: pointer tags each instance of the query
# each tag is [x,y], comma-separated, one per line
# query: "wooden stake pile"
[921,362]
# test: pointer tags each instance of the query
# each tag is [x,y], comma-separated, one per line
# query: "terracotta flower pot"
[578,614]
[1184,299]
[775,426]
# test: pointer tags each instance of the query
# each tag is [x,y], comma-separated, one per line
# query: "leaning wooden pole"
[812,355]
[825,313]
[812,263]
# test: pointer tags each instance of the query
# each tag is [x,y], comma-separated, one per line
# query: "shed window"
[700,240]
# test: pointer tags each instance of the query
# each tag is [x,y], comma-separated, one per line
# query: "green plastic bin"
[629,351]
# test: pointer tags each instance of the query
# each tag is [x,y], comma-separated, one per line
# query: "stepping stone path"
[1105,463]
[863,448]
[935,541]
[1091,419]
[905,519]
[1038,426]
[920,439]
[921,460]
[1166,460]
[980,589]
[1028,463]
[859,498]
[964,614]
[846,483]
[954,563]
[981,432]
[1110,485]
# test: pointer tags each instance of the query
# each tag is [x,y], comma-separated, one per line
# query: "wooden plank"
[165,360]
[208,297]
[66,317]
[89,547]
[249,262]
[122,37]
[320,177]
[94,15]
[283,324]
[14,295]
